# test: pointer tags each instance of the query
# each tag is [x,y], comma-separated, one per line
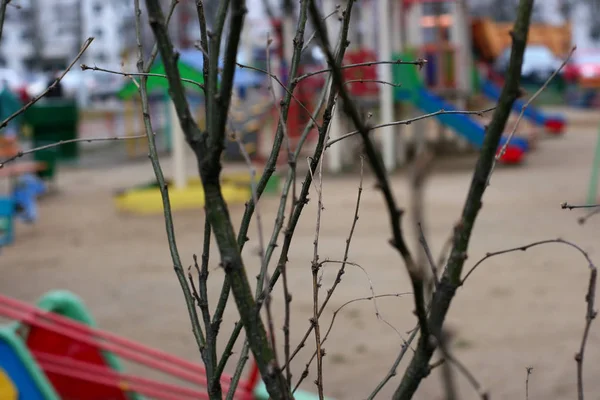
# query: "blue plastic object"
[7,213]
[533,114]
[462,124]
[22,370]
[25,193]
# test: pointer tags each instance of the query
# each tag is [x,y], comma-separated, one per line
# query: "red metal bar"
[133,351]
[139,358]
[90,377]
[98,333]
[126,382]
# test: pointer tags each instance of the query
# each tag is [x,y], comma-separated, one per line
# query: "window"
[101,57]
[27,34]
[97,7]
[436,8]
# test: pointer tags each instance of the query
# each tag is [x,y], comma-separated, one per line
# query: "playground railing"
[63,349]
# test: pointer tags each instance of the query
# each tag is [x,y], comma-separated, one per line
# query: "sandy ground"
[518,310]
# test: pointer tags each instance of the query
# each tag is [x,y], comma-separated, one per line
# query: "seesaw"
[54,352]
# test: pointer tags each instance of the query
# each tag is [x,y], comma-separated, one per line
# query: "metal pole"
[178,151]
[386,101]
[593,188]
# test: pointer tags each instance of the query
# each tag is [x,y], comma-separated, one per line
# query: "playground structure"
[53,351]
[438,31]
[491,38]
[245,121]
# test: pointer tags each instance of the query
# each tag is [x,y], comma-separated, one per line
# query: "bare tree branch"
[526,105]
[409,121]
[418,367]
[3,5]
[208,149]
[567,206]
[590,296]
[130,74]
[395,213]
[529,370]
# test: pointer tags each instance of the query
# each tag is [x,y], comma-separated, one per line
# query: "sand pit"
[519,310]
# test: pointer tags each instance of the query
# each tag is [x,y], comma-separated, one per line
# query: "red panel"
[367,73]
[555,127]
[513,155]
[42,340]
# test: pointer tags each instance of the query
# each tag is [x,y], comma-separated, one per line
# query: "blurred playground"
[119,264]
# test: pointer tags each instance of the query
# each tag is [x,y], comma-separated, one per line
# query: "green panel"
[52,121]
[406,75]
[52,112]
[260,393]
[160,83]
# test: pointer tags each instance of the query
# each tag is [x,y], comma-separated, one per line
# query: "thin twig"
[394,369]
[528,370]
[525,106]
[261,242]
[3,6]
[419,63]
[84,47]
[447,373]
[342,269]
[373,296]
[444,253]
[304,374]
[398,241]
[441,302]
[409,121]
[263,277]
[268,171]
[203,38]
[589,297]
[525,248]
[421,169]
[372,81]
[567,206]
[584,219]
[313,35]
[168,217]
[22,153]
[278,225]
[286,137]
[210,352]
[427,251]
[483,394]
[275,78]
[129,74]
[315,266]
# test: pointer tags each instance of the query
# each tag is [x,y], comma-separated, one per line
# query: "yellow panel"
[7,388]
[149,201]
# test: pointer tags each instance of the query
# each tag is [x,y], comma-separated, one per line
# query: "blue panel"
[14,367]
[462,124]
[532,113]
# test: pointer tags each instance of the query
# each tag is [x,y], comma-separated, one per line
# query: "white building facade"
[47,34]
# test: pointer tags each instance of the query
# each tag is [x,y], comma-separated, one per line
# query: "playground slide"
[466,126]
[552,123]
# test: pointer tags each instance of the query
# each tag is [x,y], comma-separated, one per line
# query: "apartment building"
[47,34]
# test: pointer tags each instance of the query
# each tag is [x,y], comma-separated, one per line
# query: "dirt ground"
[518,310]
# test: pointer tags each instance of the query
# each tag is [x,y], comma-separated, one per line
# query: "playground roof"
[156,83]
